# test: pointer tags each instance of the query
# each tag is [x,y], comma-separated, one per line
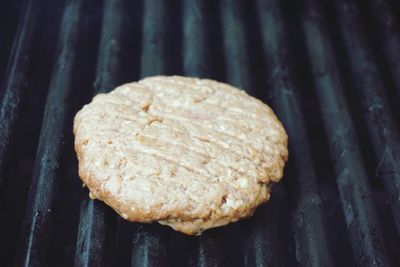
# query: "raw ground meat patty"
[189,153]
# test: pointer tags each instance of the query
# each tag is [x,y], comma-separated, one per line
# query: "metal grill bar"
[260,240]
[149,244]
[236,58]
[109,58]
[195,46]
[152,62]
[206,250]
[46,177]
[387,27]
[93,243]
[311,239]
[97,220]
[16,82]
[371,90]
[351,178]
[207,247]
[260,247]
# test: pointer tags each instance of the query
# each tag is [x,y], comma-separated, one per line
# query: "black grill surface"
[330,70]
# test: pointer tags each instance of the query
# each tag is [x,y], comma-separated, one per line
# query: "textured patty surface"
[189,153]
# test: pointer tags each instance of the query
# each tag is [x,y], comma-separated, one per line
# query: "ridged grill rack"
[330,70]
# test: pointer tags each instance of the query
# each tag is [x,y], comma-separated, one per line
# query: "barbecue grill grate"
[330,71]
